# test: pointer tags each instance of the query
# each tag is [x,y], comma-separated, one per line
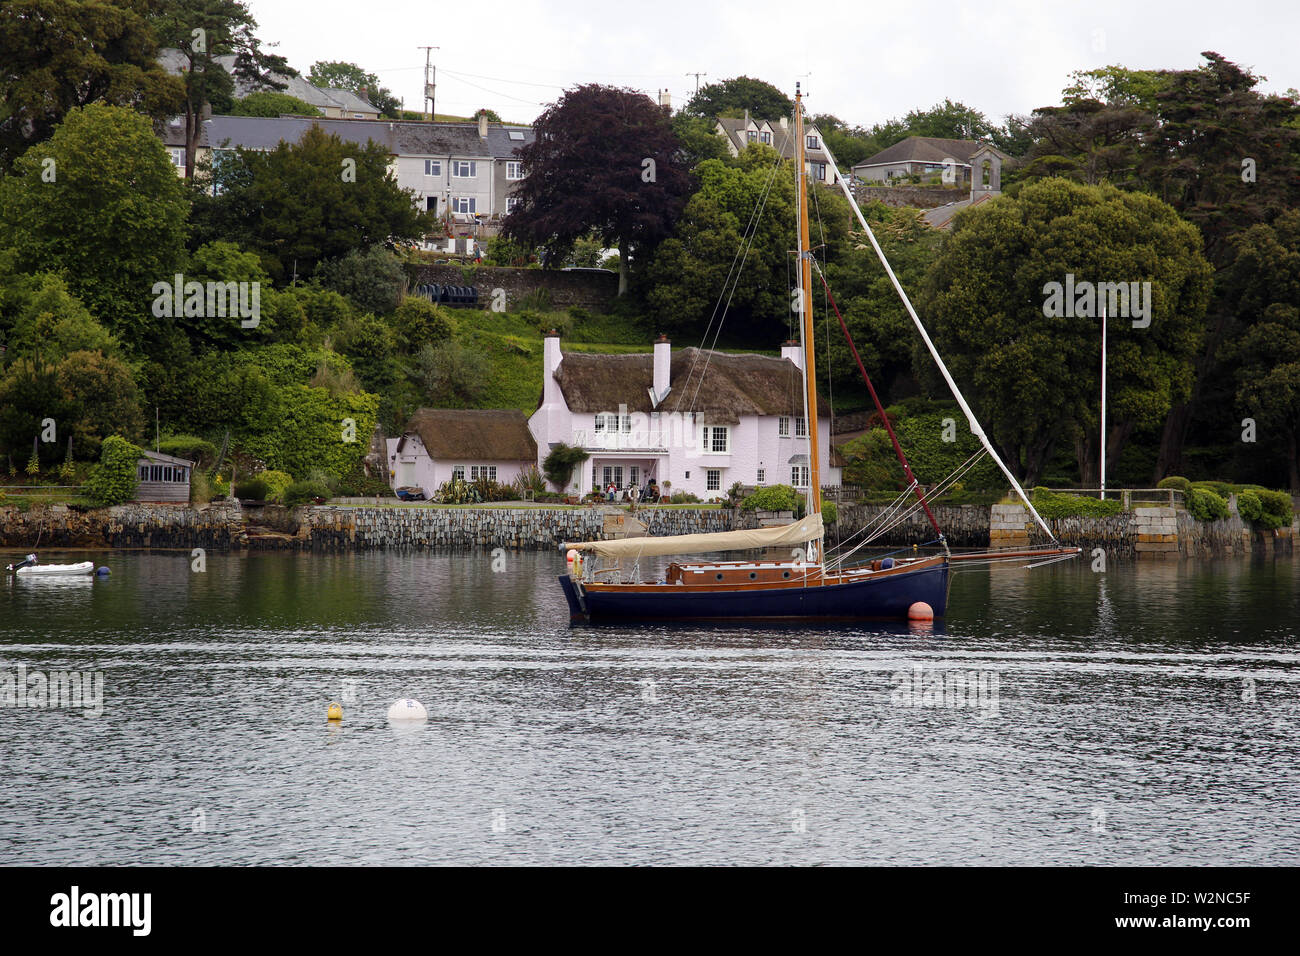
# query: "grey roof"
[439,139]
[929,149]
[174,61]
[165,459]
[782,136]
[501,146]
[350,101]
[941,217]
[267,132]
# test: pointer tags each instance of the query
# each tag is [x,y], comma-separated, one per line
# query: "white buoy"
[407,710]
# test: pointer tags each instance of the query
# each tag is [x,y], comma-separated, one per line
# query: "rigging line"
[976,429]
[937,492]
[898,449]
[755,220]
[737,266]
[880,519]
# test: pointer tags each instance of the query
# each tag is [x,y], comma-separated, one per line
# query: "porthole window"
[753,575]
[785,574]
[719,575]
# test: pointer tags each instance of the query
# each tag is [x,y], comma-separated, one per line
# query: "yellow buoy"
[335,712]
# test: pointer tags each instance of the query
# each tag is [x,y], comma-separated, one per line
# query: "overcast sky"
[877,62]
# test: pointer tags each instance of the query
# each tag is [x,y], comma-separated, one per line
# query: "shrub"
[773,498]
[558,465]
[1206,505]
[530,479]
[372,278]
[684,498]
[251,489]
[418,321]
[302,492]
[276,482]
[830,512]
[1276,507]
[114,480]
[1249,506]
[1176,482]
[200,488]
[1220,488]
[1051,504]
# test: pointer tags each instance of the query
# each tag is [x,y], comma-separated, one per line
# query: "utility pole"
[697,79]
[430,78]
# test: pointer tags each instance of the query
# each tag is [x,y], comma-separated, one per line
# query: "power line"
[697,79]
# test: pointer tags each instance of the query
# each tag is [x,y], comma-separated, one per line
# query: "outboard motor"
[26,563]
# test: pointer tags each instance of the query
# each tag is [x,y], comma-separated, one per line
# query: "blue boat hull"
[886,597]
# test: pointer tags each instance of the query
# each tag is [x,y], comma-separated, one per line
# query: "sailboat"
[806,587]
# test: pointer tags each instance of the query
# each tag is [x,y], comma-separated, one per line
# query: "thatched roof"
[473,434]
[732,385]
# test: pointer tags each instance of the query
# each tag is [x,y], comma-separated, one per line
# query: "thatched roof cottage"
[440,444]
[700,419]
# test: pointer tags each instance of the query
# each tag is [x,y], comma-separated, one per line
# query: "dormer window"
[767,138]
[751,136]
[811,142]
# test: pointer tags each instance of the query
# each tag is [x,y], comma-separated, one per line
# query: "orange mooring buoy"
[920,611]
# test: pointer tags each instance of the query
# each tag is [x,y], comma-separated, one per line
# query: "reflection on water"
[1145,715]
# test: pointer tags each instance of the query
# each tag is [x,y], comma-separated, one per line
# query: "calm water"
[1145,715]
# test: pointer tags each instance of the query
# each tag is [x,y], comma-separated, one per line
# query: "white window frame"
[433,167]
[800,427]
[457,472]
[709,440]
[464,205]
[783,426]
[761,478]
[712,479]
[800,476]
[514,169]
[483,471]
[819,171]
[512,202]
[457,165]
[177,156]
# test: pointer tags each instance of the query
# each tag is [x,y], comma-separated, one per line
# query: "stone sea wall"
[1144,532]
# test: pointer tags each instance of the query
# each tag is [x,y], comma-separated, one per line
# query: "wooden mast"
[805,313]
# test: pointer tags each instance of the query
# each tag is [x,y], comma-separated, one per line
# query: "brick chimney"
[790,350]
[551,356]
[662,368]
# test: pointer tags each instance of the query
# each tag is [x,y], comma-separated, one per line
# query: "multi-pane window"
[514,170]
[799,476]
[783,427]
[483,471]
[633,476]
[811,141]
[178,156]
[610,421]
[762,476]
[466,205]
[751,136]
[819,170]
[800,427]
[713,479]
[767,138]
[464,168]
[433,167]
[457,472]
[716,439]
[512,202]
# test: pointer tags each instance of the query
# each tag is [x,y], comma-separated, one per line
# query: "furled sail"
[794,535]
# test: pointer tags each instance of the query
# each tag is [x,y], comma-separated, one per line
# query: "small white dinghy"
[30,566]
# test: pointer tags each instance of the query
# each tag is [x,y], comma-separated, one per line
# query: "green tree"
[1033,377]
[949,120]
[699,138]
[734,96]
[225,262]
[1264,280]
[304,202]
[113,481]
[371,278]
[204,31]
[47,321]
[105,159]
[272,103]
[102,397]
[341,75]
[605,161]
[63,54]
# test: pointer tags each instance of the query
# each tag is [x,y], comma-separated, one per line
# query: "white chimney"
[663,366]
[665,99]
[785,122]
[482,125]
[790,350]
[551,356]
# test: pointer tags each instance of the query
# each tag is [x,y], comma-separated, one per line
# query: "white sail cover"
[793,535]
